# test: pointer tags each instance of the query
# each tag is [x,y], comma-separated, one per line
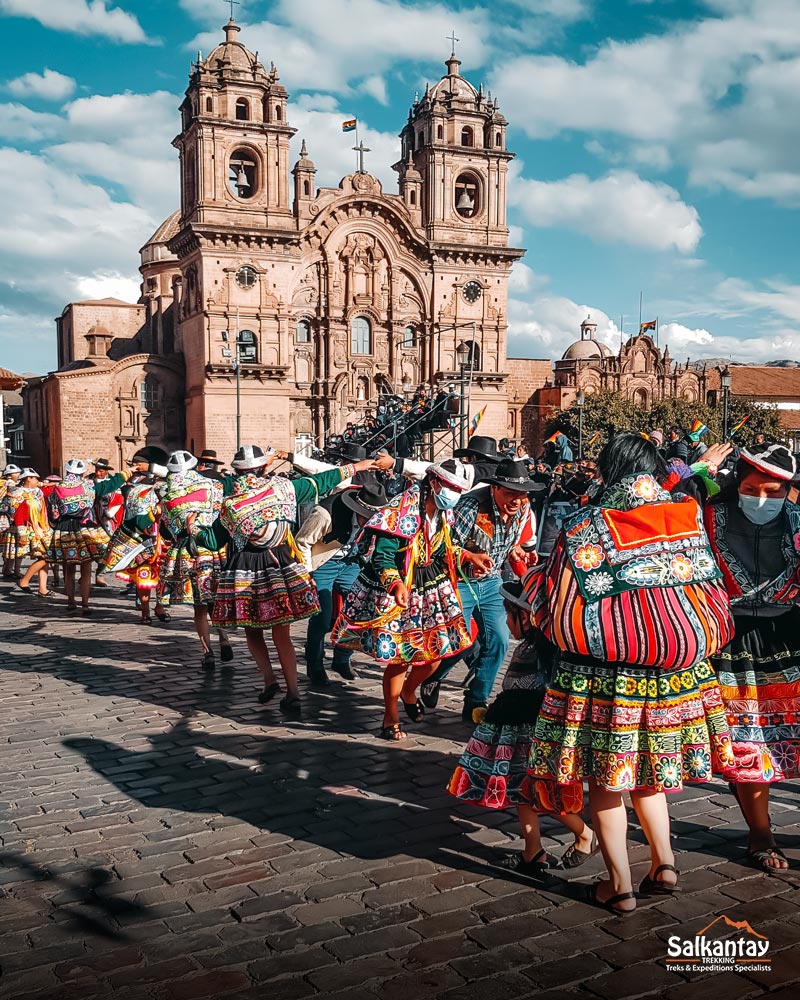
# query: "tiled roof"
[764,382]
[790,419]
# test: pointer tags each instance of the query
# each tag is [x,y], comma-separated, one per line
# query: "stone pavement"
[164,837]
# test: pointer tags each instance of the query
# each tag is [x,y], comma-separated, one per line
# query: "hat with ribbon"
[513,475]
[452,473]
[209,457]
[776,461]
[250,456]
[101,463]
[366,501]
[181,461]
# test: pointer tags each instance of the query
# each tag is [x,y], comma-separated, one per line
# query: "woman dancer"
[632,597]
[264,584]
[404,609]
[135,550]
[32,533]
[77,540]
[755,532]
[191,504]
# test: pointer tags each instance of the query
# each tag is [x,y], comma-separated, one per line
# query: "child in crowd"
[493,770]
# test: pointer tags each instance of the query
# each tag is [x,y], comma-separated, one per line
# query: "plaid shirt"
[479,527]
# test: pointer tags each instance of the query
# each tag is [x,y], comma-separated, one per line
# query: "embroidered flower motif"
[599,584]
[621,774]
[682,568]
[697,763]
[588,557]
[667,772]
[644,488]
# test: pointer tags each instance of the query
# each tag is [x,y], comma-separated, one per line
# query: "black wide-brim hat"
[353,453]
[485,447]
[366,501]
[513,475]
[101,463]
[209,457]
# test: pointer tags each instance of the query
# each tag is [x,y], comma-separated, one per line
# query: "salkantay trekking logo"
[717,948]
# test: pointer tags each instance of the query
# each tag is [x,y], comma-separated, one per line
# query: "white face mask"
[760,510]
[446,499]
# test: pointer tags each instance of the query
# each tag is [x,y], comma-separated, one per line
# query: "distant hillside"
[721,362]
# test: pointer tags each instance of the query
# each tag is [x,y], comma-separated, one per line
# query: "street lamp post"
[725,382]
[463,358]
[581,401]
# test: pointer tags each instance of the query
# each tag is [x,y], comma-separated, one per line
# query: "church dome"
[155,248]
[232,55]
[585,350]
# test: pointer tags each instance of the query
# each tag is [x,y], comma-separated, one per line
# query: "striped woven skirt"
[189,579]
[429,629]
[630,728]
[20,541]
[263,587]
[759,674]
[73,543]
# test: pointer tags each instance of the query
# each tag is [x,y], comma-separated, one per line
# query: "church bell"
[464,202]
[241,179]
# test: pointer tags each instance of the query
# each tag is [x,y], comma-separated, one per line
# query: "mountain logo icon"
[735,925]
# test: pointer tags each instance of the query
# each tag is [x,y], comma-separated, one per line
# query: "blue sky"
[656,147]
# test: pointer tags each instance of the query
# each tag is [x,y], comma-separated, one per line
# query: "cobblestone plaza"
[165,837]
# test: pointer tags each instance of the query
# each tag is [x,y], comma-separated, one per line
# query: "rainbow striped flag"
[697,430]
[349,125]
[473,426]
[594,438]
[737,427]
[650,325]
[553,438]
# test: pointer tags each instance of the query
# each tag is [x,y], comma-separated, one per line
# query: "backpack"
[638,586]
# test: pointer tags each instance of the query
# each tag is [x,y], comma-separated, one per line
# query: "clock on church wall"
[246,277]
[472,291]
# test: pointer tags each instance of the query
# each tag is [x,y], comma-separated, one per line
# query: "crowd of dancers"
[652,596]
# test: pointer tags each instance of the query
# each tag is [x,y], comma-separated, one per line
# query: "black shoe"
[208,661]
[269,693]
[225,652]
[473,713]
[345,671]
[429,693]
[290,706]
[318,678]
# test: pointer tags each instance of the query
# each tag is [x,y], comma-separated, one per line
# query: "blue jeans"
[493,636]
[335,574]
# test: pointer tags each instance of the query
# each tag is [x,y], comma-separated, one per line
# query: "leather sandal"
[611,903]
[573,858]
[760,858]
[415,710]
[392,733]
[654,886]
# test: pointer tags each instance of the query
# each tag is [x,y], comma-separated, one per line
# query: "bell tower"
[234,141]
[455,139]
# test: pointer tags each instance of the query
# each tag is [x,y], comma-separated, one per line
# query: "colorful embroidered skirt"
[759,674]
[73,543]
[20,541]
[189,579]
[262,587]
[631,727]
[493,769]
[430,628]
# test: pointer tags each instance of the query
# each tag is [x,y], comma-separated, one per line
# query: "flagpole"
[357,161]
[656,331]
[621,334]
[640,312]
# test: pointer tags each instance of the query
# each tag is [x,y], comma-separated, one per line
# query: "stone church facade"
[327,296]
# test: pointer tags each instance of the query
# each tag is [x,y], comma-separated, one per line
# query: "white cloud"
[545,326]
[777,297]
[333,45]
[375,86]
[107,284]
[717,93]
[332,152]
[80,17]
[18,123]
[619,208]
[48,85]
[774,345]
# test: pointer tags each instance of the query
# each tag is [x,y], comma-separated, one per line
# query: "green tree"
[605,413]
